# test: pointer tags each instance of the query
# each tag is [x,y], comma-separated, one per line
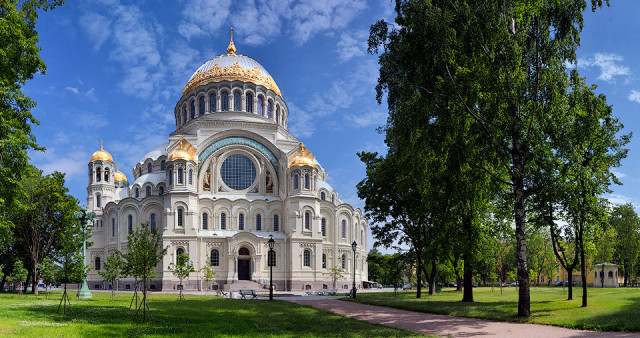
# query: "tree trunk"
[418,274]
[570,281]
[432,280]
[524,301]
[626,274]
[583,267]
[26,282]
[3,282]
[34,283]
[467,297]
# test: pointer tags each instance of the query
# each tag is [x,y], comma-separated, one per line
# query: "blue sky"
[117,68]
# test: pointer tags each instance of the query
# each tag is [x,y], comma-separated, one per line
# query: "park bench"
[245,293]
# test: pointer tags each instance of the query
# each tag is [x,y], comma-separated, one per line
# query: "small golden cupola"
[231,49]
[182,150]
[305,158]
[119,176]
[101,155]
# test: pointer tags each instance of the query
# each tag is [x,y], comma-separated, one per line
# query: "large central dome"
[231,67]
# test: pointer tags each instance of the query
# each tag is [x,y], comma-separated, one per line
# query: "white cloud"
[621,199]
[88,120]
[619,174]
[97,27]
[634,96]
[203,17]
[310,17]
[609,65]
[72,89]
[256,22]
[73,163]
[367,119]
[351,45]
[340,96]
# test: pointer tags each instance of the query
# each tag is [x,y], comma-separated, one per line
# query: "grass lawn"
[608,310]
[196,316]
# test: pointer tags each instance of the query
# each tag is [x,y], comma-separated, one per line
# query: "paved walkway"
[426,323]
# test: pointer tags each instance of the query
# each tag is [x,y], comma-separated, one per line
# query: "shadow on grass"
[212,316]
[624,317]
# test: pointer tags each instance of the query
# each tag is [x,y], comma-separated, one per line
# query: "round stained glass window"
[238,172]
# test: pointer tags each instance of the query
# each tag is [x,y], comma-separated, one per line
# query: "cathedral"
[230,177]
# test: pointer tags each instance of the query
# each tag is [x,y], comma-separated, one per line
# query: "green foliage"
[19,61]
[336,273]
[182,268]
[43,221]
[48,271]
[208,276]
[144,253]
[387,269]
[113,269]
[18,273]
[625,224]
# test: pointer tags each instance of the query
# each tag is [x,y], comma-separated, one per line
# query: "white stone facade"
[230,176]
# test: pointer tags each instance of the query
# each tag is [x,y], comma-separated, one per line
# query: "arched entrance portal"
[244,264]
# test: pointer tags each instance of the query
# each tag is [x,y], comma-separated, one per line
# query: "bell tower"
[102,186]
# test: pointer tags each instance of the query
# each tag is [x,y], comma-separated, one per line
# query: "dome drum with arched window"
[229,178]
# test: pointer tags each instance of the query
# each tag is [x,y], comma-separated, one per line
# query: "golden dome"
[305,158]
[180,154]
[231,67]
[119,176]
[101,155]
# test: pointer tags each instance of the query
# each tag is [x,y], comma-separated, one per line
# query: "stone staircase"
[243,285]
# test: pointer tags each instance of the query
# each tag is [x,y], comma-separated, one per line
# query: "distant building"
[230,176]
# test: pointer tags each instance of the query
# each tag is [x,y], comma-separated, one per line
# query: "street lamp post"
[84,218]
[270,261]
[353,291]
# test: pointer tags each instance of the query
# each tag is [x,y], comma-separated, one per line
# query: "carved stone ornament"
[233,73]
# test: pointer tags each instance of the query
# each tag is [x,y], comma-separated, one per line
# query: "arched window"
[215,258]
[98,201]
[306,181]
[149,168]
[322,196]
[361,237]
[163,165]
[344,262]
[307,220]
[241,222]
[224,101]
[153,222]
[190,177]
[205,221]
[324,261]
[324,227]
[213,105]
[276,223]
[170,177]
[344,229]
[260,106]
[223,221]
[161,191]
[610,274]
[201,105]
[193,109]
[271,258]
[278,114]
[106,175]
[139,171]
[269,114]
[307,258]
[148,191]
[98,175]
[97,263]
[180,217]
[113,227]
[243,252]
[180,179]
[259,222]
[249,103]
[237,101]
[296,183]
[333,197]
[184,115]
[130,224]
[137,192]
[179,252]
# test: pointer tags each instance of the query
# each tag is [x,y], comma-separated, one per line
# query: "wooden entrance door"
[243,269]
